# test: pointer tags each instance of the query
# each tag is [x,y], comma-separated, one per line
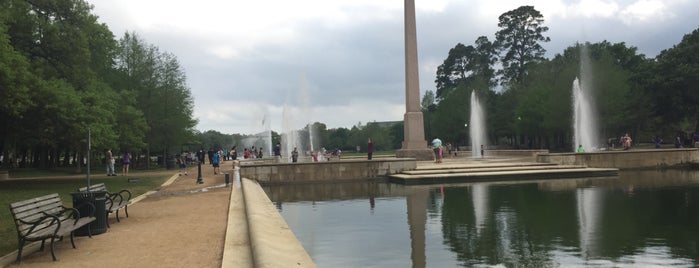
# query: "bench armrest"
[124,194]
[42,220]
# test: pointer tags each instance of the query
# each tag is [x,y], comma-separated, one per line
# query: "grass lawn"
[13,191]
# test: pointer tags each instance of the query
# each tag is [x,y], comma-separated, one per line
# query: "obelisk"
[414,144]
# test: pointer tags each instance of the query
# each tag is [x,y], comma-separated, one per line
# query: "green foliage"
[675,81]
[522,30]
[58,79]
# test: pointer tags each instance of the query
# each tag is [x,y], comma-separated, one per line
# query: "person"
[110,163]
[181,162]
[369,149]
[259,153]
[246,153]
[234,153]
[125,162]
[580,149]
[626,139]
[449,149]
[678,141]
[657,140]
[295,155]
[482,151]
[437,148]
[278,150]
[214,161]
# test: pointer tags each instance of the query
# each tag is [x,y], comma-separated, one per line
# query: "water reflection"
[641,218]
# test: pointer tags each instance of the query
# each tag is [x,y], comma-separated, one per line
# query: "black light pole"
[200,157]
[88,158]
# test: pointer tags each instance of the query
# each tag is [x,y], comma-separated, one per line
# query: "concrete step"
[488,169]
[528,174]
[480,164]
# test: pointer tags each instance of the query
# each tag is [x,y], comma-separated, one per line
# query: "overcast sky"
[341,62]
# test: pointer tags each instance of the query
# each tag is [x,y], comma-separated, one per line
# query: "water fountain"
[477,126]
[584,119]
[291,136]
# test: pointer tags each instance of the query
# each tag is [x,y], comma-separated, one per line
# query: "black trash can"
[98,199]
[170,163]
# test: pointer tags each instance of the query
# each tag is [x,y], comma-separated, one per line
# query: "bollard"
[228,178]
[199,179]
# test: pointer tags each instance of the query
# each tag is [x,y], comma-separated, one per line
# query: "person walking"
[110,163]
[278,150]
[125,162]
[295,155]
[214,160]
[437,148]
[369,149]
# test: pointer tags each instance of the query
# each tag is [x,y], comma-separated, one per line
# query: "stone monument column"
[414,144]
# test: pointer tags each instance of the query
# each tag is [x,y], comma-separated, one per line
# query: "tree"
[518,42]
[675,84]
[427,101]
[454,69]
[159,85]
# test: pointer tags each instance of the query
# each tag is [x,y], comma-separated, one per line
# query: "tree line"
[62,73]
[528,98]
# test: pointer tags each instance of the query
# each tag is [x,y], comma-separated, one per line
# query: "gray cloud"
[353,72]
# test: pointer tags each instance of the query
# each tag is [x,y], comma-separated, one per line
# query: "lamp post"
[466,140]
[200,158]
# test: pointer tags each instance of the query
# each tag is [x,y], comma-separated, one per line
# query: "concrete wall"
[343,170]
[631,159]
[514,152]
[272,242]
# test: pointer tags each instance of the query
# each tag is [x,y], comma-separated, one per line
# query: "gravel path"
[182,225]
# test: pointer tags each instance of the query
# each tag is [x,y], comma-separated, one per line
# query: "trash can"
[170,163]
[98,199]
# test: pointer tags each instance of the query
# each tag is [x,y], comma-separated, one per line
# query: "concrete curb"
[272,242]
[236,247]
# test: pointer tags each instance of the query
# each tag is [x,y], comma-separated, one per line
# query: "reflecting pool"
[639,219]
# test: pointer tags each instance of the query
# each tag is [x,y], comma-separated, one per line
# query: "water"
[477,126]
[292,136]
[262,139]
[640,219]
[584,117]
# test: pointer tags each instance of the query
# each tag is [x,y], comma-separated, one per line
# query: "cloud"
[244,59]
[645,10]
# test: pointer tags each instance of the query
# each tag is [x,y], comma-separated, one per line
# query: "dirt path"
[182,225]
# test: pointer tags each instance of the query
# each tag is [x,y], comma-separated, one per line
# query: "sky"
[341,62]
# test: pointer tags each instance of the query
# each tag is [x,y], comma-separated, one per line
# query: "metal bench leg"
[19,250]
[126,210]
[71,239]
[117,215]
[53,255]
[106,219]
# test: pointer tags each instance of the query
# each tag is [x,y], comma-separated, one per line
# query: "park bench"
[113,201]
[45,217]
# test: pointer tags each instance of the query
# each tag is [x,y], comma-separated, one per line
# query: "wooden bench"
[114,201]
[45,217]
